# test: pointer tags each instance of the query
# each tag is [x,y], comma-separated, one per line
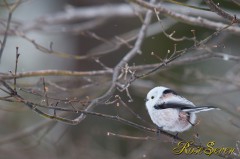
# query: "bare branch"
[133,52]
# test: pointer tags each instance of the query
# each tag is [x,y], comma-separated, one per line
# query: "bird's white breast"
[169,119]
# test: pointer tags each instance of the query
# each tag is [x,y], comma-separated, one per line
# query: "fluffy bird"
[170,111]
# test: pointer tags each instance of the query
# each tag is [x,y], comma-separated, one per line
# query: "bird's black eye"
[169,91]
[152,97]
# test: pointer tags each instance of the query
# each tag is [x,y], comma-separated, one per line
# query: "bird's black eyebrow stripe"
[169,91]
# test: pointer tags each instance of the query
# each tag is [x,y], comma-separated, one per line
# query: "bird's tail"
[199,109]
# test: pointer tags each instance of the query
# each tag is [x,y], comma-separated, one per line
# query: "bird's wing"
[184,107]
[199,109]
[167,105]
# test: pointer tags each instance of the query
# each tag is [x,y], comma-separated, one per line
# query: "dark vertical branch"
[11,8]
[5,34]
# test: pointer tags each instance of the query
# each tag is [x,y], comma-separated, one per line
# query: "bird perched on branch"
[170,111]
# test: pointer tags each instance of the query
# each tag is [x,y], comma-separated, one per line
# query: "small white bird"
[171,112]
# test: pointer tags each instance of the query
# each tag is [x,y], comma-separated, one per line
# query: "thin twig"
[45,91]
[172,58]
[33,107]
[170,36]
[133,137]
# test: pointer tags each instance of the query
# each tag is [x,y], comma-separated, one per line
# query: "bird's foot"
[196,137]
[175,138]
[159,131]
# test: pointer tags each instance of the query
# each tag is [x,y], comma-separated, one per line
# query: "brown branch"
[34,106]
[115,118]
[55,73]
[213,7]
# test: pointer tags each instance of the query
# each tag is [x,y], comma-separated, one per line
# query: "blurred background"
[95,35]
